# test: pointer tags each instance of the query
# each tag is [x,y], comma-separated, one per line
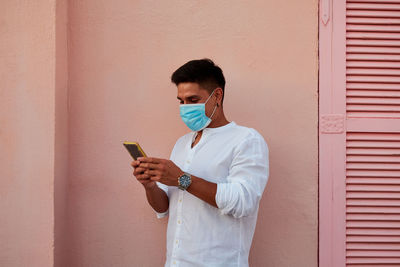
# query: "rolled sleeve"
[248,175]
[165,189]
[161,214]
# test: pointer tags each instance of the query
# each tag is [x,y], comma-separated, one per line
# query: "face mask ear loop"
[209,97]
[215,108]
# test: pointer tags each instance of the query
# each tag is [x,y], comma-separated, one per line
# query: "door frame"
[332,133]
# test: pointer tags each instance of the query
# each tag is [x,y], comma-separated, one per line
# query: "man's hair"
[202,71]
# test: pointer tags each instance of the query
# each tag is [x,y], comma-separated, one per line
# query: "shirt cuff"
[161,214]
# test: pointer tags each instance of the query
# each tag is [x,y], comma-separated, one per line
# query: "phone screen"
[134,149]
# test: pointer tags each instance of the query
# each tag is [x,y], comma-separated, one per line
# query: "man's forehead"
[186,90]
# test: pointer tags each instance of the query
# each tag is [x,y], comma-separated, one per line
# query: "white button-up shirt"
[236,159]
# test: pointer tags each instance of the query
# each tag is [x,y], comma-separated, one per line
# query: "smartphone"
[134,149]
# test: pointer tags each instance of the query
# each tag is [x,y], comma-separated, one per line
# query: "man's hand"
[160,170]
[143,178]
[156,197]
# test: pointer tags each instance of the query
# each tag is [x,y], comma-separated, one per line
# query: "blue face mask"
[194,115]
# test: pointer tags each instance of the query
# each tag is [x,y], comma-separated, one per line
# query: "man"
[213,182]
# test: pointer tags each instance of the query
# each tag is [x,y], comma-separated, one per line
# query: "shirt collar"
[219,129]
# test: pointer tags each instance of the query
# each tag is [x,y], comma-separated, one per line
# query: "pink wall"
[70,96]
[61,134]
[121,55]
[27,134]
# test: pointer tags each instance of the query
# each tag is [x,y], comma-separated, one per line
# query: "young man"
[213,182]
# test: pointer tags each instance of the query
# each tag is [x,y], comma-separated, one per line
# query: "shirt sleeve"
[248,176]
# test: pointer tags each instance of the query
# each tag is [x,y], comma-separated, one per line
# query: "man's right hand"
[144,179]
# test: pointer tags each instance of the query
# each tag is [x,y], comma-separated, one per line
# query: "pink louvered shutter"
[373,133]
[367,175]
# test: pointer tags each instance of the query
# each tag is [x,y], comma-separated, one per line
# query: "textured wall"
[121,55]
[27,136]
[61,134]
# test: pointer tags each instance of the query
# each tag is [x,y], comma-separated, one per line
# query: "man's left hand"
[161,170]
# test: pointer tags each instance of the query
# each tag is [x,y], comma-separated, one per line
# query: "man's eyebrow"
[191,96]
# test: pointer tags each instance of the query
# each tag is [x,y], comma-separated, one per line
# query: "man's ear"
[219,93]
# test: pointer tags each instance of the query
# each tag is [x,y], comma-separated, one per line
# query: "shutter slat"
[373,86]
[373,217]
[373,28]
[373,224]
[371,247]
[372,93]
[372,188]
[372,262]
[373,238]
[373,136]
[372,152]
[374,173]
[372,42]
[372,71]
[372,6]
[374,57]
[373,166]
[373,35]
[374,100]
[371,210]
[373,180]
[373,232]
[373,143]
[375,1]
[372,21]
[372,253]
[378,108]
[373,13]
[383,115]
[373,79]
[374,159]
[373,195]
[373,202]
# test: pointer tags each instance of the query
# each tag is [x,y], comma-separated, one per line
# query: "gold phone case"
[134,149]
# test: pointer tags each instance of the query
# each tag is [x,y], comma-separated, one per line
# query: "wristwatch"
[184,181]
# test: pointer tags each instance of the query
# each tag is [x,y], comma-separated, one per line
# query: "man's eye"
[180,102]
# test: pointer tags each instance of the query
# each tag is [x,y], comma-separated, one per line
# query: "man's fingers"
[150,166]
[135,163]
[152,172]
[143,177]
[149,160]
[139,171]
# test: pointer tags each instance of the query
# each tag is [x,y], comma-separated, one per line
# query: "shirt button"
[188,161]
[179,221]
[180,200]
[174,262]
[176,242]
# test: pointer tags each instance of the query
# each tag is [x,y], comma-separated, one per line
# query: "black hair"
[202,71]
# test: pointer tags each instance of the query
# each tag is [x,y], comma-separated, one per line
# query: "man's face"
[191,93]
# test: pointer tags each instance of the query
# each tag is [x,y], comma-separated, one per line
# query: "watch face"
[184,181]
